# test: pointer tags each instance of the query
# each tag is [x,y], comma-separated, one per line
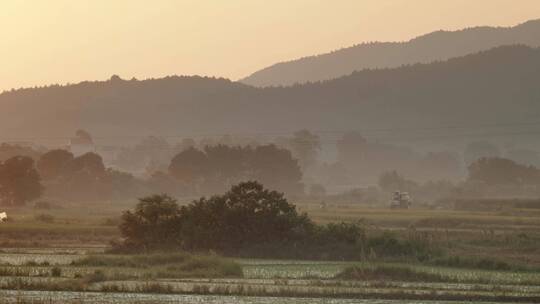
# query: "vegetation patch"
[168,265]
[478,263]
[388,273]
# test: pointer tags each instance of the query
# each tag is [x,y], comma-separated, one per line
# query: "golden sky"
[60,41]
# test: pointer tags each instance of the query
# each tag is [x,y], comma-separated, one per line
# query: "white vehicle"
[400,200]
[3,216]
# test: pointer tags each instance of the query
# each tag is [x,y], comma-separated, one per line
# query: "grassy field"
[184,274]
[498,260]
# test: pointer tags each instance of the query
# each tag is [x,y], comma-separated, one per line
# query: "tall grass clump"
[168,265]
[388,273]
[484,263]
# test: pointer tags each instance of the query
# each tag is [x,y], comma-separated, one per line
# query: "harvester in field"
[400,200]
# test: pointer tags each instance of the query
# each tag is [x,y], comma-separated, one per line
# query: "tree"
[246,215]
[54,163]
[90,164]
[189,166]
[121,185]
[19,181]
[501,171]
[247,219]
[8,151]
[217,167]
[276,168]
[155,223]
[226,165]
[85,179]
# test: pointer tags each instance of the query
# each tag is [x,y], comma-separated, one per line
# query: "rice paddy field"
[63,260]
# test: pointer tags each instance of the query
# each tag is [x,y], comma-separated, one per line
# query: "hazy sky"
[60,41]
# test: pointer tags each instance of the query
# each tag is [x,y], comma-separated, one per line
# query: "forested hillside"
[495,86]
[436,46]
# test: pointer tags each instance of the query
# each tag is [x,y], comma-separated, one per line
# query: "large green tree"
[246,215]
[216,168]
[54,164]
[19,181]
[501,171]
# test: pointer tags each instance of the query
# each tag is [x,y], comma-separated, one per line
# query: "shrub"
[388,245]
[56,272]
[252,221]
[169,265]
[388,273]
[472,262]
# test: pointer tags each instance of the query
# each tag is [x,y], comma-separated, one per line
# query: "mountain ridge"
[497,85]
[434,46]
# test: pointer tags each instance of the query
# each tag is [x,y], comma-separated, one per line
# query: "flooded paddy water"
[263,281]
[114,298]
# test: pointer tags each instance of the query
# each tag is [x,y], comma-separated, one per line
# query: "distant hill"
[440,45]
[499,85]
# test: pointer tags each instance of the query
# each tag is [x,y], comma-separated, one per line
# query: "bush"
[56,272]
[388,273]
[251,221]
[168,265]
[472,262]
[388,245]
[246,215]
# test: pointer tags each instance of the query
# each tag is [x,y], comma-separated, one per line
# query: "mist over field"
[401,169]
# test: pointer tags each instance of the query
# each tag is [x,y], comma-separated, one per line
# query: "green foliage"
[56,272]
[251,221]
[216,167]
[472,262]
[135,261]
[19,181]
[388,273]
[343,241]
[389,245]
[246,215]
[54,163]
[83,178]
[501,171]
[155,223]
[167,265]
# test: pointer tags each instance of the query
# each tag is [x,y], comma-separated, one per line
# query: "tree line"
[60,174]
